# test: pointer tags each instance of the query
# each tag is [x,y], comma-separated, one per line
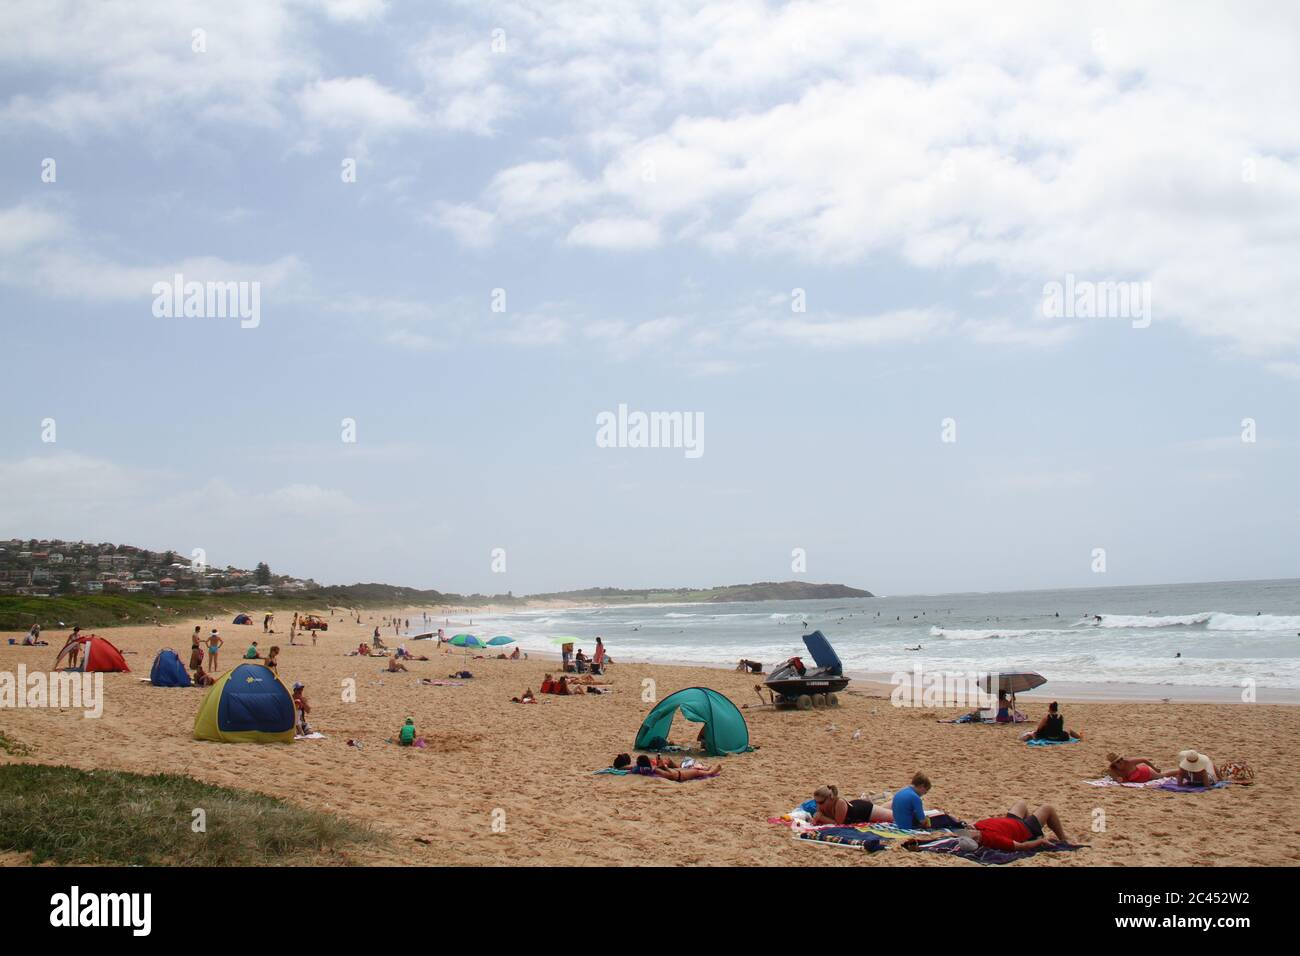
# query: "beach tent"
[248,704]
[168,671]
[725,731]
[97,654]
[242,619]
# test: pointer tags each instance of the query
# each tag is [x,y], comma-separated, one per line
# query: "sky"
[826,231]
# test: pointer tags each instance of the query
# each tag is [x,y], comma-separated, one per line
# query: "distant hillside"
[762,591]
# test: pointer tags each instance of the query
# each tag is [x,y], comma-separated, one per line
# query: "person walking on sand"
[273,658]
[214,648]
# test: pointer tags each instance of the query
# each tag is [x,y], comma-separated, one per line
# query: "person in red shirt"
[1020,829]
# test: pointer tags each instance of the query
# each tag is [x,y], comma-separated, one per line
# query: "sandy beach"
[529,767]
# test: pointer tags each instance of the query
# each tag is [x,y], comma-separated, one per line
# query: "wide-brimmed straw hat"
[1193,762]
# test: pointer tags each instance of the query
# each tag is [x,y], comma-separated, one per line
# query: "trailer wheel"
[805,702]
[819,700]
[832,700]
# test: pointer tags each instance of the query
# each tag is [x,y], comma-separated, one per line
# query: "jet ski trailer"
[794,684]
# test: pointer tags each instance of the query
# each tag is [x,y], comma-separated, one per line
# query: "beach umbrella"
[499,640]
[1014,683]
[564,640]
[466,640]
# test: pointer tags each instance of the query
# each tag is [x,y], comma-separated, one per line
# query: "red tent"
[97,654]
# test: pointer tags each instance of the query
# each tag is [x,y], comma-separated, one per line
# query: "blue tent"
[168,671]
[248,704]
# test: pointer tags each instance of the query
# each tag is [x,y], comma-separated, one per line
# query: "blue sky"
[648,187]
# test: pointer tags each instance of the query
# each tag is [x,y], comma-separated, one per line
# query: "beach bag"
[1238,771]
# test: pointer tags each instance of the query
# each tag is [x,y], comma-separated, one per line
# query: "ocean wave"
[960,634]
[778,617]
[1212,620]
[679,615]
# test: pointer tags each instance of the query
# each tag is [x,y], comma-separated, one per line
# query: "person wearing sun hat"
[1196,770]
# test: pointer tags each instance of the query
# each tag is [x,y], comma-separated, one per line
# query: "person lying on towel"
[834,809]
[654,768]
[1133,769]
[1020,829]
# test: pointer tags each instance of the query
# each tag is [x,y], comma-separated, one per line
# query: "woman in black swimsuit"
[833,809]
[1051,727]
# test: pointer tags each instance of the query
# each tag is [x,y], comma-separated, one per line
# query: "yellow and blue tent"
[248,704]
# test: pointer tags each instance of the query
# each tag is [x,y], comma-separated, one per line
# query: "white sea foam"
[1213,621]
[968,634]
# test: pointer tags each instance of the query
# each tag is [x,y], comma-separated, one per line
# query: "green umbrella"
[466,640]
[564,640]
[499,640]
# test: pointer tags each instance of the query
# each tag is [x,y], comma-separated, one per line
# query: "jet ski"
[794,684]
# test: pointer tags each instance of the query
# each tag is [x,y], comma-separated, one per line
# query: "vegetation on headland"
[762,591]
[18,613]
[58,583]
[106,817]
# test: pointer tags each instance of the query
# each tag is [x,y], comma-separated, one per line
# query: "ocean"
[1215,635]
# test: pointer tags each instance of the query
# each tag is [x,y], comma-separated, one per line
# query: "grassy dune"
[65,816]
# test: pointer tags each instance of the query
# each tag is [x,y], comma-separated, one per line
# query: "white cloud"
[908,325]
[614,233]
[49,254]
[470,225]
[357,103]
[841,132]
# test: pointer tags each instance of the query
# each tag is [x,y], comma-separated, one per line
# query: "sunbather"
[394,665]
[833,809]
[1051,727]
[1133,769]
[680,774]
[1020,829]
[1195,770]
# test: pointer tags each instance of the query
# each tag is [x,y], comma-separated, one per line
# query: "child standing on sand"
[303,708]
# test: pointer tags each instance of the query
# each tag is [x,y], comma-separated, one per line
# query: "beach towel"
[1163,783]
[842,836]
[1035,742]
[441,683]
[617,773]
[987,856]
[316,735]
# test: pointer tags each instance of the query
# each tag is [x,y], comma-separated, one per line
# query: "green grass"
[18,613]
[13,747]
[66,816]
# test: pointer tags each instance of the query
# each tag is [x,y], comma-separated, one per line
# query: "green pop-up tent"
[725,731]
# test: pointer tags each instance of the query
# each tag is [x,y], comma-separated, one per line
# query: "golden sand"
[527,768]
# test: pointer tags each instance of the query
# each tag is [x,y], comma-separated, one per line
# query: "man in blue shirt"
[909,811]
